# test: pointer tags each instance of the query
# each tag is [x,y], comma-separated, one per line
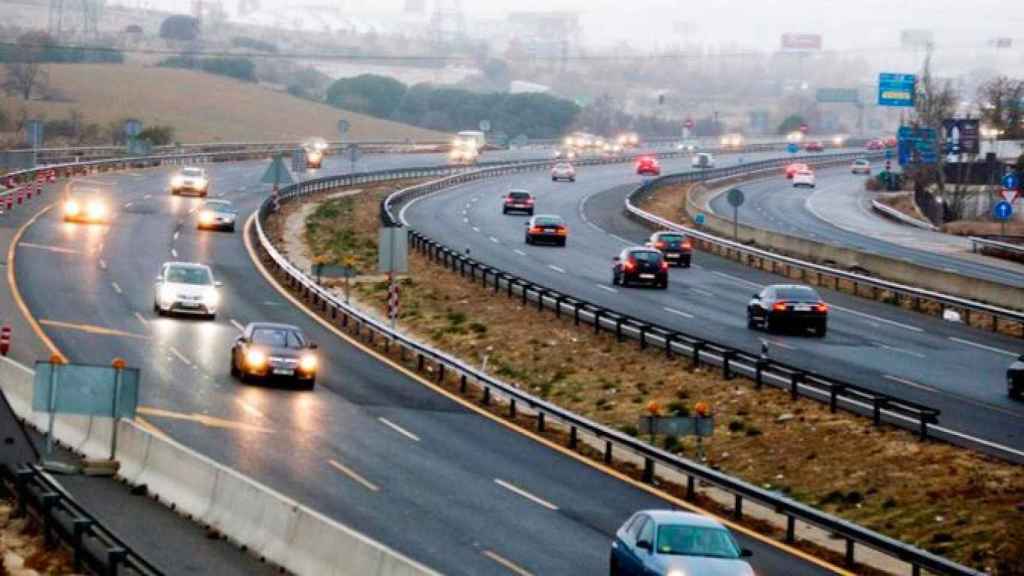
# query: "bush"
[253,44]
[240,68]
[158,135]
[873,185]
[369,94]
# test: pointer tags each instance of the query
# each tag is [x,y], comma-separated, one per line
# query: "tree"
[934,101]
[1002,106]
[371,94]
[158,135]
[25,72]
[792,123]
[179,27]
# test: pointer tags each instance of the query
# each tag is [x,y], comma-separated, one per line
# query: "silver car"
[190,180]
[186,288]
[671,543]
[217,215]
[563,171]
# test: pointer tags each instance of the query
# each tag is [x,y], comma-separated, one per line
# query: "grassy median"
[954,502]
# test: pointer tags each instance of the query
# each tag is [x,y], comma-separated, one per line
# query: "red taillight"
[779,307]
[535,229]
[529,200]
[821,307]
[687,245]
[660,245]
[629,265]
[664,265]
[563,231]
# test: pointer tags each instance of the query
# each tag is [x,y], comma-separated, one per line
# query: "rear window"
[519,195]
[646,256]
[188,275]
[671,237]
[796,293]
[548,221]
[219,205]
[563,166]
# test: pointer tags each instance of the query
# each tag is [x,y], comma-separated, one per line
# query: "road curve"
[371,446]
[912,356]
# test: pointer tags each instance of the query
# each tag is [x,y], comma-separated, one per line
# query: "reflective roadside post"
[56,360]
[118,364]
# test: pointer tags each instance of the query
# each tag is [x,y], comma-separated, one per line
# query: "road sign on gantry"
[896,89]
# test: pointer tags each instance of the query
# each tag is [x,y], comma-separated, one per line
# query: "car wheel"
[231,228]
[211,316]
[751,323]
[766,323]
[156,309]
[528,240]
[573,180]
[562,242]
[615,279]
[308,384]
[234,369]
[613,568]
[663,285]
[821,330]
[530,212]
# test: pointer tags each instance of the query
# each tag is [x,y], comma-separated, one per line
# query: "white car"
[803,178]
[186,288]
[563,171]
[861,166]
[191,179]
[702,160]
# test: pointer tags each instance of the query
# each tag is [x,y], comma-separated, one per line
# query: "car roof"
[552,216]
[191,168]
[271,326]
[217,201]
[642,249]
[680,517]
[518,191]
[784,286]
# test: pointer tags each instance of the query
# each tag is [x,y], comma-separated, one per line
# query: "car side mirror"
[644,544]
[745,553]
[616,259]
[313,346]
[756,296]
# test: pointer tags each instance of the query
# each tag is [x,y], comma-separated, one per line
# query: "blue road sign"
[896,90]
[1002,211]
[1011,181]
[888,153]
[792,148]
[699,218]
[916,145]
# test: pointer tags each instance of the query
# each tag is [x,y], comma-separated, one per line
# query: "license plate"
[284,371]
[550,230]
[802,308]
[647,276]
[190,304]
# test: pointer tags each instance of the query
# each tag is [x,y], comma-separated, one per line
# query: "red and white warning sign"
[1009,195]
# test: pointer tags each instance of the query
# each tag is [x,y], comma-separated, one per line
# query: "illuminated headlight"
[211,297]
[314,156]
[72,208]
[201,183]
[676,573]
[167,294]
[838,140]
[96,210]
[206,217]
[307,363]
[255,358]
[177,182]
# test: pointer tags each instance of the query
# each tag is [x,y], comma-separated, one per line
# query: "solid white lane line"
[103,264]
[476,229]
[900,350]
[127,204]
[353,475]
[506,563]
[141,318]
[465,220]
[983,347]
[620,239]
[398,429]
[520,252]
[877,318]
[174,252]
[736,279]
[57,249]
[116,287]
[252,410]
[556,268]
[909,383]
[781,344]
[238,325]
[179,355]
[608,288]
[677,312]
[525,494]
[176,234]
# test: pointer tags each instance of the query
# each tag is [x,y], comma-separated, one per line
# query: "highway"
[838,211]
[913,356]
[371,446]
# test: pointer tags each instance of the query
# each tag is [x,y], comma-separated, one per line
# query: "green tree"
[370,94]
[792,123]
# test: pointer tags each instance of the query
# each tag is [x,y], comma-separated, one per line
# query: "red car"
[875,145]
[792,169]
[890,142]
[814,146]
[648,165]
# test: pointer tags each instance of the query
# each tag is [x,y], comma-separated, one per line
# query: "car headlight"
[255,358]
[96,210]
[206,217]
[676,573]
[167,294]
[177,182]
[212,297]
[201,183]
[72,208]
[307,363]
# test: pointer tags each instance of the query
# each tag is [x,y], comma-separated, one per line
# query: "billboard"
[916,38]
[792,41]
[961,135]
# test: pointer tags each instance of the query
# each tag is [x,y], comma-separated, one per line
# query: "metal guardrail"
[987,243]
[367,327]
[94,547]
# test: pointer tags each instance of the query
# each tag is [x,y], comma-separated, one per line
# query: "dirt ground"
[953,502]
[22,551]
[904,202]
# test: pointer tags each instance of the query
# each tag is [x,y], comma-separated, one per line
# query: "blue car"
[673,543]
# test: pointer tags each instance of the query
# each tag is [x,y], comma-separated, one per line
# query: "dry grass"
[903,202]
[983,228]
[951,501]
[22,547]
[201,107]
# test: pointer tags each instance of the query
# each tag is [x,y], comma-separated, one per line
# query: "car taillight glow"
[535,229]
[629,265]
[779,306]
[687,245]
[664,265]
[821,307]
[562,231]
[660,244]
[529,200]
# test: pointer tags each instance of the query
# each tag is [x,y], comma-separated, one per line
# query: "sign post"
[392,258]
[735,198]
[353,156]
[34,130]
[277,174]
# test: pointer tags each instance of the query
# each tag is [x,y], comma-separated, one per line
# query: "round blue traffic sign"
[1011,181]
[888,153]
[792,148]
[1002,211]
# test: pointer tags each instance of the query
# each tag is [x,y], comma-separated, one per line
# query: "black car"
[640,266]
[1015,379]
[546,228]
[517,201]
[266,350]
[676,247]
[788,305]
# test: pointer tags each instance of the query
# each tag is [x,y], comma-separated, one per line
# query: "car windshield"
[548,221]
[188,275]
[192,172]
[862,162]
[278,338]
[218,206]
[796,293]
[646,256]
[677,539]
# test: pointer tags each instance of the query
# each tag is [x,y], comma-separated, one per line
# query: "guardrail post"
[525,288]
[794,384]
[115,556]
[648,476]
[923,426]
[607,451]
[576,313]
[597,320]
[915,570]
[759,368]
[697,347]
[727,357]
[643,337]
[618,329]
[737,509]
[497,283]
[849,552]
[419,362]
[440,372]
[691,487]
[572,438]
[462,384]
[484,277]
[487,396]
[48,500]
[540,300]
[877,405]
[790,529]
[512,408]
[833,396]
[540,421]
[79,526]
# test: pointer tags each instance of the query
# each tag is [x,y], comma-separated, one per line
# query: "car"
[314,158]
[563,171]
[803,178]
[890,142]
[792,169]
[676,543]
[217,215]
[702,160]
[517,201]
[640,265]
[814,146]
[648,165]
[267,350]
[186,288]
[860,166]
[86,206]
[546,228]
[875,144]
[783,305]
[687,146]
[676,247]
[190,179]
[1015,379]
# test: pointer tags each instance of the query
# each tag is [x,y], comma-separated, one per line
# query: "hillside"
[201,107]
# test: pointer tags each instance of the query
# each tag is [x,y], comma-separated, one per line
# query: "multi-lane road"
[372,446]
[958,370]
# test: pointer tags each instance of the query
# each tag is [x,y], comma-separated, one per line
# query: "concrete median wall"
[250,514]
[891,269]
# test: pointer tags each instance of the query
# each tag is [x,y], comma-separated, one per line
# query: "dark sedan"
[640,266]
[787,305]
[266,350]
[547,229]
[517,201]
[677,248]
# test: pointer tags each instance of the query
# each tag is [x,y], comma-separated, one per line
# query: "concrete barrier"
[894,214]
[248,513]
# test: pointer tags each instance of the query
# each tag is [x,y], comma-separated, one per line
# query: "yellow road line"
[506,563]
[792,551]
[91,329]
[13,285]
[205,420]
[354,475]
